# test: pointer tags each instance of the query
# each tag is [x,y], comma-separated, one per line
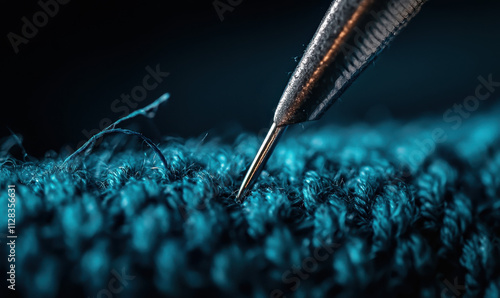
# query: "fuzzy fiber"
[358,211]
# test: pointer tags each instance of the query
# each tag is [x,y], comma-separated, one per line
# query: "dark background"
[223,74]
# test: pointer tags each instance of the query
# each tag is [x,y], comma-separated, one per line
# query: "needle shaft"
[349,38]
[260,159]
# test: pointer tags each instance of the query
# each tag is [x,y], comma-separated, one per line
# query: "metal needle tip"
[261,158]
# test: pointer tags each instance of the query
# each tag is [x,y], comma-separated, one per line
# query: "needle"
[350,36]
[263,154]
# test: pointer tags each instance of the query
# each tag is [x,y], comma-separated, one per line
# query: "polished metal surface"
[351,35]
[260,159]
[349,38]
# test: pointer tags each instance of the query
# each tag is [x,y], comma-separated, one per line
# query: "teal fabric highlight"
[365,210]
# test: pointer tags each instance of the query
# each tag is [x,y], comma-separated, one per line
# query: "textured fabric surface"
[394,209]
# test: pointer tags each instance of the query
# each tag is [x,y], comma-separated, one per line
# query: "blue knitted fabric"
[350,211]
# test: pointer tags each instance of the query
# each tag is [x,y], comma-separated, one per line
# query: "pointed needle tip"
[260,159]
